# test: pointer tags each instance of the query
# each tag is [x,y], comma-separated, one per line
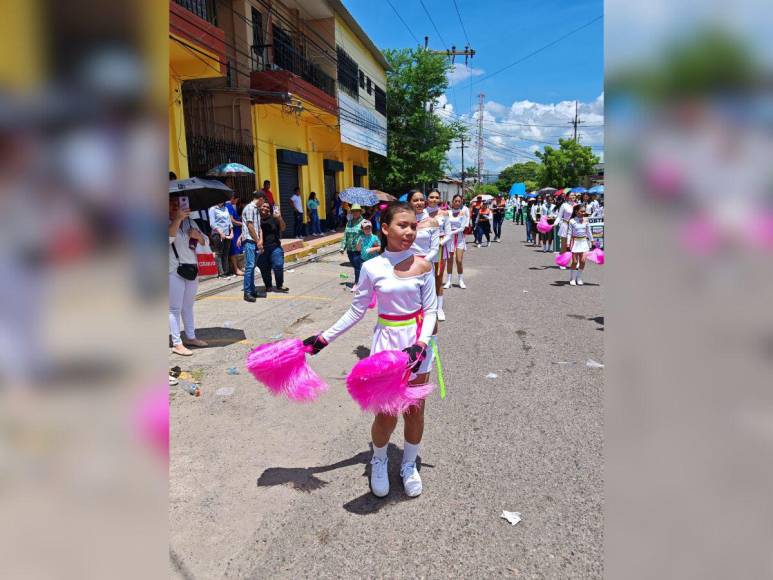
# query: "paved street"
[261,487]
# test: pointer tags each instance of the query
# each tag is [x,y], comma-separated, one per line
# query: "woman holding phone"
[184,236]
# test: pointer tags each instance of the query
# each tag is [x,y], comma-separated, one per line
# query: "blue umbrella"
[226,169]
[360,195]
[597,189]
[579,190]
[404,197]
[531,194]
[518,189]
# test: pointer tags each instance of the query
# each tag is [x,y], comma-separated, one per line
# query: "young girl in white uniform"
[458,220]
[580,242]
[434,211]
[404,285]
[562,219]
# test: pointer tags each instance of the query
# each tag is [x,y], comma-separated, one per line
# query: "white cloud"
[460,73]
[512,133]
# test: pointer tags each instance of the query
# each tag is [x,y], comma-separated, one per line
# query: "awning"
[291,157]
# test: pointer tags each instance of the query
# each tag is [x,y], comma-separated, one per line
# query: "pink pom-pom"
[596,255]
[151,419]
[543,226]
[379,384]
[564,259]
[281,366]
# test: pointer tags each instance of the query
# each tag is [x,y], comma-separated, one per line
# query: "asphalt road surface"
[261,487]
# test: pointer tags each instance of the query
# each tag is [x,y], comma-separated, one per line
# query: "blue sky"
[528,104]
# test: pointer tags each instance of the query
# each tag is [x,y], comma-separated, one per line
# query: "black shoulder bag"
[187,271]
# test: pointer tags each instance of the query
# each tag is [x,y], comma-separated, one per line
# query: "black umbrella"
[201,193]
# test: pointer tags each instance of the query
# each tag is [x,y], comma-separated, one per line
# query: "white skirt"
[399,338]
[580,245]
[457,242]
[563,229]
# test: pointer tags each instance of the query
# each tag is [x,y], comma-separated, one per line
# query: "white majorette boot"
[411,479]
[579,278]
[572,275]
[379,476]
[461,282]
[440,314]
[447,285]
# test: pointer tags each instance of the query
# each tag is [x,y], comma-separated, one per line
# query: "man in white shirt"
[297,212]
[253,244]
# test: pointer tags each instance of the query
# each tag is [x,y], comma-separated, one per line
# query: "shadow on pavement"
[566,283]
[220,336]
[361,352]
[543,267]
[303,478]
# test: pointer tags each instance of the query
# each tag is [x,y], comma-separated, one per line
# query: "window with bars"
[348,73]
[362,80]
[381,105]
[370,87]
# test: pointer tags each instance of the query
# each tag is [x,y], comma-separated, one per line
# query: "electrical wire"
[537,51]
[440,36]
[408,28]
[464,30]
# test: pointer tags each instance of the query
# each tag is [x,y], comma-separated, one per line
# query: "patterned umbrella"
[383,196]
[546,190]
[226,169]
[201,193]
[597,189]
[360,195]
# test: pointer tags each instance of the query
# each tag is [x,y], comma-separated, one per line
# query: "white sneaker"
[441,315]
[379,477]
[411,479]
[477,245]
[562,267]
[462,285]
[447,285]
[580,282]
[572,282]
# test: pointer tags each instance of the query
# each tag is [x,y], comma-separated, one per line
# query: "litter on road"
[232,371]
[592,364]
[191,388]
[512,517]
[225,392]
[492,376]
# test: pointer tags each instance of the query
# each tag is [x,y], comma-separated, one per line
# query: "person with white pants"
[184,235]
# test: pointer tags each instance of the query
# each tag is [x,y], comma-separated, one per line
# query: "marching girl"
[441,215]
[580,242]
[453,250]
[563,217]
[405,289]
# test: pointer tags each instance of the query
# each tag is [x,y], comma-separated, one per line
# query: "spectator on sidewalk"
[184,236]
[221,236]
[351,237]
[313,206]
[297,213]
[498,211]
[266,191]
[253,243]
[368,245]
[272,257]
[236,240]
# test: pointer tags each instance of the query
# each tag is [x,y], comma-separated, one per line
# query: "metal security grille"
[330,193]
[348,73]
[202,8]
[204,153]
[288,181]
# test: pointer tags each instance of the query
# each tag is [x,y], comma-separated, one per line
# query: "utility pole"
[467,53]
[480,137]
[462,148]
[576,121]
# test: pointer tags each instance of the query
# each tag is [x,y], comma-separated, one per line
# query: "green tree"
[565,166]
[519,173]
[417,140]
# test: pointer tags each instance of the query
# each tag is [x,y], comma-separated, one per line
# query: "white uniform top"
[395,296]
[580,229]
[564,215]
[427,242]
[180,241]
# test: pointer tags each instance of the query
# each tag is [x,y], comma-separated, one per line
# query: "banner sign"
[597,228]
[361,126]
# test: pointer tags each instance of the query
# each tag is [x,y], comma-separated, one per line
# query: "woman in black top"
[272,257]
